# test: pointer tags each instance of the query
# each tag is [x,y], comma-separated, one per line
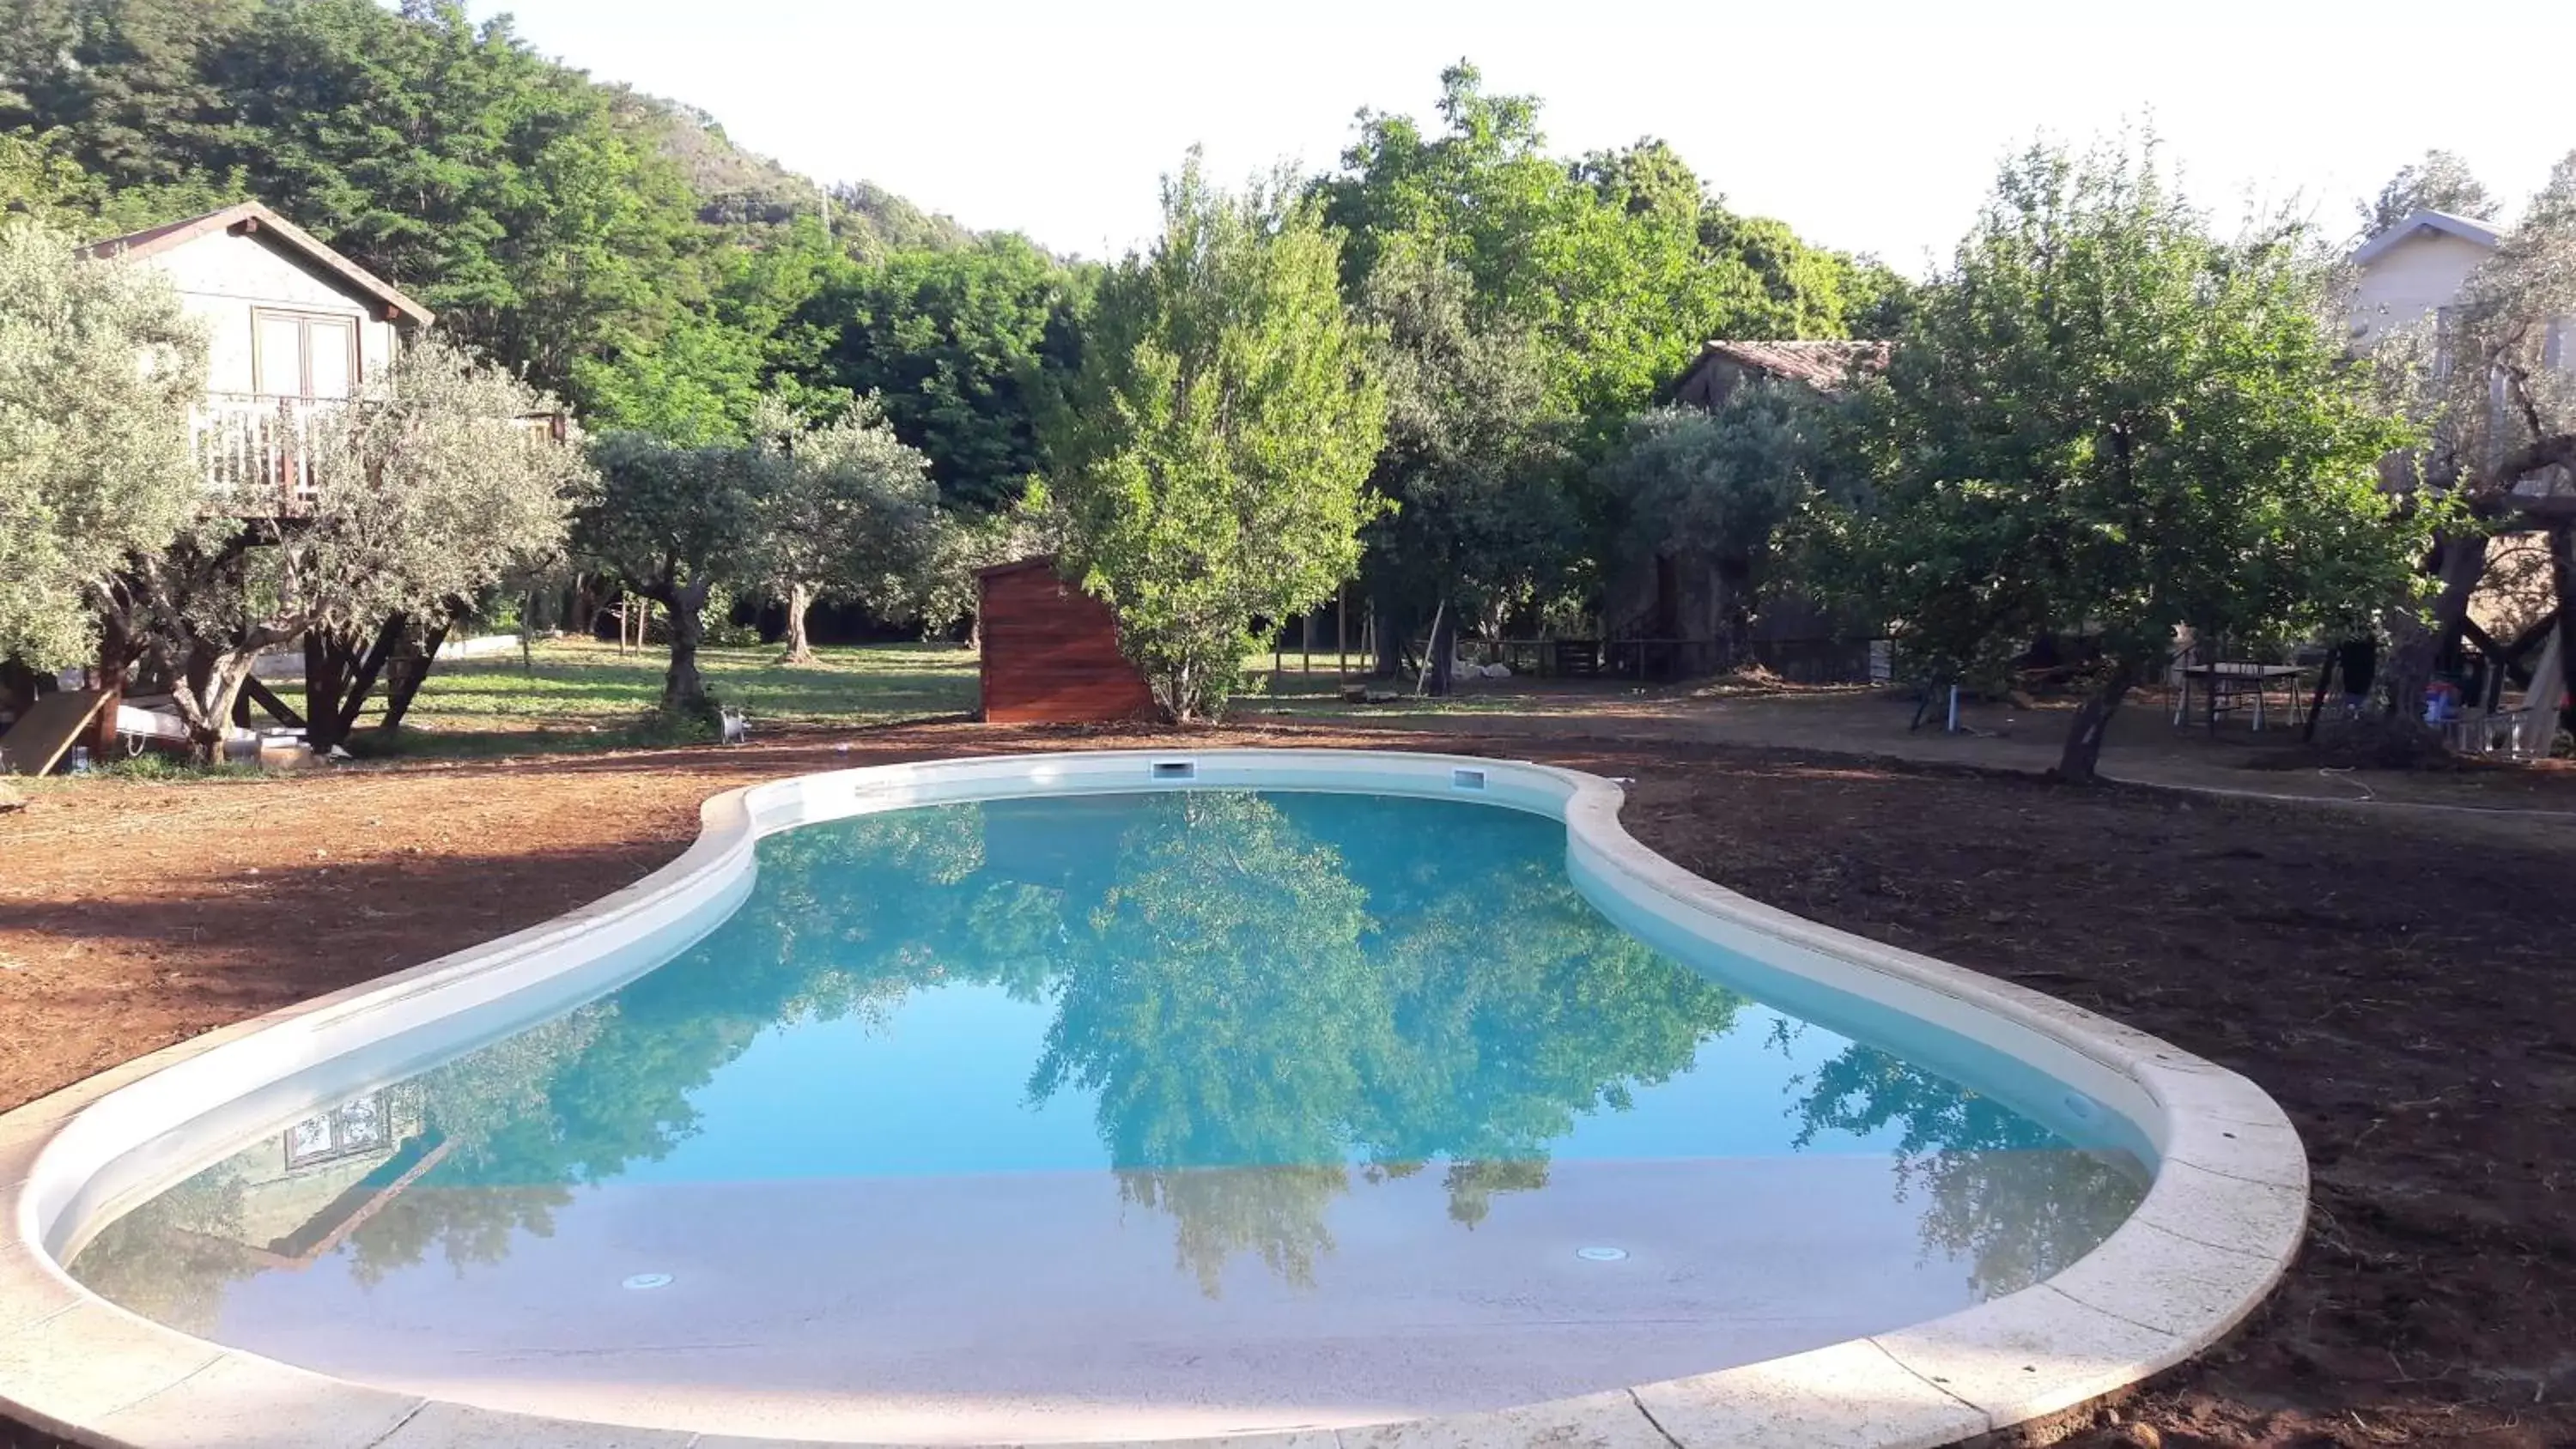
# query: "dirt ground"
[2399,978]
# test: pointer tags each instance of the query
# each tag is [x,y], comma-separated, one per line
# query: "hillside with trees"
[1492,315]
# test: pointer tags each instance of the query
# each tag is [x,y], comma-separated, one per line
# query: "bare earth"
[2397,976]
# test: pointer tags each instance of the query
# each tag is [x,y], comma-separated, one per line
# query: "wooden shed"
[1051,652]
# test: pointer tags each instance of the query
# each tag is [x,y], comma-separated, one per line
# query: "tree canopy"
[607,244]
[98,365]
[1620,261]
[618,251]
[2439,182]
[1715,487]
[852,514]
[674,524]
[2105,421]
[958,347]
[1476,458]
[425,490]
[1564,292]
[1213,448]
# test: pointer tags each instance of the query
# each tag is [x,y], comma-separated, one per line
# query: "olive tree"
[1213,451]
[943,586]
[851,513]
[2107,421]
[2492,380]
[1713,488]
[1474,470]
[427,489]
[674,524]
[98,367]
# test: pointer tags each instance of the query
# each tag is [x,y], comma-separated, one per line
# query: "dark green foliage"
[2105,419]
[612,246]
[1621,262]
[1476,458]
[702,378]
[1598,279]
[954,344]
[453,159]
[128,79]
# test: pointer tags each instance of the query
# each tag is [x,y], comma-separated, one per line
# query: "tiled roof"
[1818,364]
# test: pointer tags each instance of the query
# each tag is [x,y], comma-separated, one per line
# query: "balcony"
[255,452]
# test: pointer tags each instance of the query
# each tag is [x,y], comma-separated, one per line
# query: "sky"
[1867,126]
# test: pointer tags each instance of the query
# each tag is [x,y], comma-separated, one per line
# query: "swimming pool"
[1108,1097]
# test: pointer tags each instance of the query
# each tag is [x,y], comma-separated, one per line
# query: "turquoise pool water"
[1235,1110]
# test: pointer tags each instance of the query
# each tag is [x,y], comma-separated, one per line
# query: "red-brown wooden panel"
[1051,653]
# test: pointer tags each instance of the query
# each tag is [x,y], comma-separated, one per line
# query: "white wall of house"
[261,304]
[2418,275]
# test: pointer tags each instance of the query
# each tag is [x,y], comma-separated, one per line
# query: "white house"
[292,324]
[2418,267]
[2414,268]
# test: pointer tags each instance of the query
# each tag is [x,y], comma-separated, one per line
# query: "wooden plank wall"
[1051,655]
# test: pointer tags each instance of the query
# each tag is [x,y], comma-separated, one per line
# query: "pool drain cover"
[1601,1255]
[642,1281]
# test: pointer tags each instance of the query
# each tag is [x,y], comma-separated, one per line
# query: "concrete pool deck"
[2218,1225]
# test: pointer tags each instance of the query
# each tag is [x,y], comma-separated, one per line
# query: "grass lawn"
[584,694]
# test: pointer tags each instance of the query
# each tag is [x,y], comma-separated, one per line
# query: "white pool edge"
[2218,1227]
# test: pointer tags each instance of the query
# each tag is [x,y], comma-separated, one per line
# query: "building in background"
[292,325]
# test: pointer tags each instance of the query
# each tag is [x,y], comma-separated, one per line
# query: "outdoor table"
[2228,679]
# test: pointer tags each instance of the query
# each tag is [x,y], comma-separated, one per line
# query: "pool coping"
[2217,1228]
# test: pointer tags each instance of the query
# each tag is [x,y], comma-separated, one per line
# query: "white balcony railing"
[255,452]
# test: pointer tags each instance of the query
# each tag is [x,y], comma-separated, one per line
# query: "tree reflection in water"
[1239,1000]
[2002,1193]
[171,1259]
[1266,1026]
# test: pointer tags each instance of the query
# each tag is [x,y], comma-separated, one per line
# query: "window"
[352,1129]
[303,354]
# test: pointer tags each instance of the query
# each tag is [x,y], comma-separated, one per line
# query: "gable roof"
[250,218]
[1821,365]
[2418,222]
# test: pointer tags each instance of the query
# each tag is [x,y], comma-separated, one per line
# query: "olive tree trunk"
[2552,693]
[2080,762]
[800,648]
[1438,679]
[1734,615]
[206,689]
[2414,646]
[684,690]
